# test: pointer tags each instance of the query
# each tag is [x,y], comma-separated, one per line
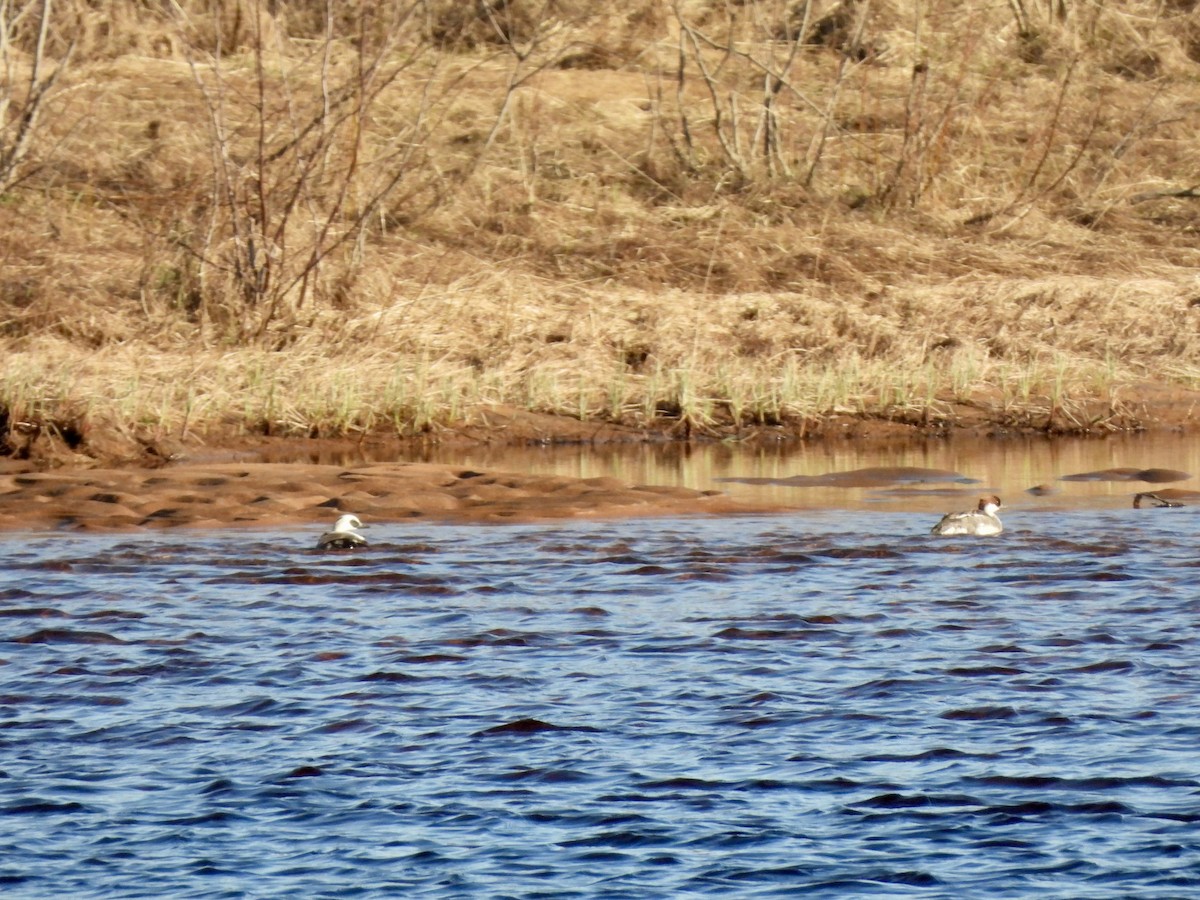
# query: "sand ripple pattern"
[751,707]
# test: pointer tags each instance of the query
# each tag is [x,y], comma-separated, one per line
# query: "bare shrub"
[312,150]
[25,87]
[330,176]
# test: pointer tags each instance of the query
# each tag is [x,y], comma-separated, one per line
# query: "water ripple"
[754,706]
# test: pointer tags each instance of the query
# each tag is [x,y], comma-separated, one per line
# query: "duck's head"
[348,522]
[989,504]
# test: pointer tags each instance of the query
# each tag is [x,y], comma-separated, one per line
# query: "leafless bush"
[754,66]
[895,105]
[23,94]
[310,153]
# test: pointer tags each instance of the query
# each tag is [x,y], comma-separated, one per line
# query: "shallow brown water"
[216,489]
[1009,467]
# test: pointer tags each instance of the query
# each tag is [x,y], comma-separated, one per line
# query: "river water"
[1010,467]
[827,703]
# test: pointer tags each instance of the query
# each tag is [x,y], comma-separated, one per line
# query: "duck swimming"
[343,536]
[1153,500]
[981,520]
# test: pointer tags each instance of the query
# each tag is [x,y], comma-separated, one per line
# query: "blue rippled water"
[751,707]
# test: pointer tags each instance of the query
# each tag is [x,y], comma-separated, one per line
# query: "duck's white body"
[980,521]
[343,536]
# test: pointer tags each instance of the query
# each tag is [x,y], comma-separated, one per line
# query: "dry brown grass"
[682,214]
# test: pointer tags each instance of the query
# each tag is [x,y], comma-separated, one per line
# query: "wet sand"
[261,482]
[275,494]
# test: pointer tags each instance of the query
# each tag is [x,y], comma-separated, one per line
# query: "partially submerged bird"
[1153,500]
[343,536]
[982,520]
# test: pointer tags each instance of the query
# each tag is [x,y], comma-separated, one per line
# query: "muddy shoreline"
[105,482]
[1149,408]
[262,494]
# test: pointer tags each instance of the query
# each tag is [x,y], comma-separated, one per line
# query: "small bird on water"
[1153,501]
[980,521]
[343,536]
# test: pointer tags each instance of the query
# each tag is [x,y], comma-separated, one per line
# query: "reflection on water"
[828,704]
[1013,467]
[1009,467]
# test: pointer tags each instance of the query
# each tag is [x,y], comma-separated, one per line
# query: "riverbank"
[627,223]
[264,495]
[39,445]
[264,483]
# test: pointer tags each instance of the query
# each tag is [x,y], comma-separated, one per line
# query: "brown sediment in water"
[1150,476]
[878,476]
[277,494]
[114,480]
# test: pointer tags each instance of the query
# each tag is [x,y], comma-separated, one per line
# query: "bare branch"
[16,139]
